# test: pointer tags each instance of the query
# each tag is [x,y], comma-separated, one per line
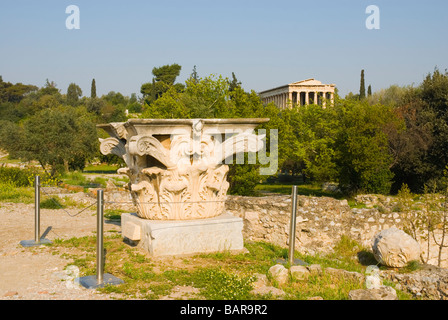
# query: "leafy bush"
[15,176]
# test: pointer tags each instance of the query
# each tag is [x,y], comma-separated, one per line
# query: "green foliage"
[220,285]
[15,176]
[51,203]
[14,92]
[163,80]
[11,193]
[57,137]
[243,179]
[362,87]
[315,129]
[362,154]
[74,92]
[93,89]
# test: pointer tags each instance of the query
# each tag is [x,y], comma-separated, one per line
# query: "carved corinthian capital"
[148,145]
[112,146]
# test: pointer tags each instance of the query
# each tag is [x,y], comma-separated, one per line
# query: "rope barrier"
[159,202]
[125,202]
[62,208]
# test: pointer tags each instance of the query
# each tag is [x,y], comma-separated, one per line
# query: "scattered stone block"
[382,293]
[395,248]
[299,272]
[315,269]
[279,274]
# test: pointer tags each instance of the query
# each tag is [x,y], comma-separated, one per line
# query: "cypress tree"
[93,89]
[369,90]
[362,89]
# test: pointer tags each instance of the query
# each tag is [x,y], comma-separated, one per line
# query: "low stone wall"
[321,221]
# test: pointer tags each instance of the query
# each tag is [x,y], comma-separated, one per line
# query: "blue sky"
[265,43]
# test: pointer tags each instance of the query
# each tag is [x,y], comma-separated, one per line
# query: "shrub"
[15,176]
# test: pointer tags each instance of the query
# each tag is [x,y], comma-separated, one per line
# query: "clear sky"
[265,43]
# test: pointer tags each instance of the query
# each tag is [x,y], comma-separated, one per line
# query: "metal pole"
[37,209]
[292,230]
[100,279]
[99,237]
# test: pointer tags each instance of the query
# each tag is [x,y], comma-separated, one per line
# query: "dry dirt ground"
[33,273]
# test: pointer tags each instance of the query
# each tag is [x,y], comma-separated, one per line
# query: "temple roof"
[306,82]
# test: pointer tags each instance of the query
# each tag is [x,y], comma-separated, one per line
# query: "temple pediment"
[307,82]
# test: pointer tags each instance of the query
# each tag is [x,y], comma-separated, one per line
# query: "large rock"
[382,293]
[395,248]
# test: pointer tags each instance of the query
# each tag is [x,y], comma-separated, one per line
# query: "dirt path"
[34,273]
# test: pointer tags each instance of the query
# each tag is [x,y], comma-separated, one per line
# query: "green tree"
[194,75]
[50,88]
[164,78]
[362,88]
[57,137]
[234,83]
[74,92]
[369,90]
[361,147]
[93,89]
[316,130]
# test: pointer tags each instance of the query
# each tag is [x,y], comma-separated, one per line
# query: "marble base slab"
[184,237]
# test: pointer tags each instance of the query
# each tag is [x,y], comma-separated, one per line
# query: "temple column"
[290,97]
[315,97]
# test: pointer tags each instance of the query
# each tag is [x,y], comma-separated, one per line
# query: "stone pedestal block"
[175,237]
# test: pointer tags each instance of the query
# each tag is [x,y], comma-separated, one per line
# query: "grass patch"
[51,203]
[217,276]
[113,214]
[76,178]
[102,168]
[11,193]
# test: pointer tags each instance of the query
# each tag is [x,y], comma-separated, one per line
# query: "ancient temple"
[309,91]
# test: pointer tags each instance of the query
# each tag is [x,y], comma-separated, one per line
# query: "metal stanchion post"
[292,227]
[37,240]
[101,279]
[99,238]
[37,209]
[292,232]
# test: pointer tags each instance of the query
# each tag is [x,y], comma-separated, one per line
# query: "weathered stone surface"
[395,248]
[131,230]
[176,166]
[349,275]
[161,238]
[261,287]
[279,274]
[430,282]
[315,269]
[382,293]
[299,272]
